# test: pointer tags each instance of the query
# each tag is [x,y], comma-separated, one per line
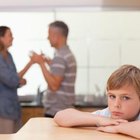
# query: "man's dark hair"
[62,26]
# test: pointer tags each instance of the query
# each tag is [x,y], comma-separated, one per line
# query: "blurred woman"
[10,80]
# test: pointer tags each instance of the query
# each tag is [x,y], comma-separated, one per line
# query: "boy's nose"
[117,103]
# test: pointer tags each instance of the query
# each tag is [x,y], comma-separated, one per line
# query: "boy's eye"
[125,98]
[112,96]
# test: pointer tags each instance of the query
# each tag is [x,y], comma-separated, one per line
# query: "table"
[46,129]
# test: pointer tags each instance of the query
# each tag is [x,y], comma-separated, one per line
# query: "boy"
[123,112]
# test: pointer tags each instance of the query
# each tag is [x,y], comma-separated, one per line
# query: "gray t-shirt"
[106,113]
[64,65]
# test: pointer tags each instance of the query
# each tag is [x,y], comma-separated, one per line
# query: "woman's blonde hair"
[125,75]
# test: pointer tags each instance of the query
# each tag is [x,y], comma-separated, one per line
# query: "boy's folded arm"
[73,117]
[130,128]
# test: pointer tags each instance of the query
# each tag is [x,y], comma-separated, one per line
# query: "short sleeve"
[105,112]
[58,66]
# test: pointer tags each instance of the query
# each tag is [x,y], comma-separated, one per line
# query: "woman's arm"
[73,117]
[128,128]
[25,69]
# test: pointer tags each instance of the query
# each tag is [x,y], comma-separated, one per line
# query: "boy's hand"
[109,129]
[104,121]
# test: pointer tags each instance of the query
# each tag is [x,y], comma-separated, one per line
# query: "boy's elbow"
[58,118]
[62,118]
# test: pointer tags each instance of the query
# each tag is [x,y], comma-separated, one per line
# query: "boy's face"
[123,103]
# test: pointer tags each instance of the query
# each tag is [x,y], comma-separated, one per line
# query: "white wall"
[4,4]
[49,2]
[106,40]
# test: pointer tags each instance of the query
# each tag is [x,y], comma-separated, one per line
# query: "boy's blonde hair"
[125,75]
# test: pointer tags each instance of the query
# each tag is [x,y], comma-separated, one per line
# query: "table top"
[47,129]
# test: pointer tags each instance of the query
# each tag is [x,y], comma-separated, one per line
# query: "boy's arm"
[128,128]
[72,117]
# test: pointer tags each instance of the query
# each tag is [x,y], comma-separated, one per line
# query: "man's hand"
[37,58]
[47,59]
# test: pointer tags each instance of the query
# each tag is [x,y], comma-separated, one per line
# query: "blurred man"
[62,73]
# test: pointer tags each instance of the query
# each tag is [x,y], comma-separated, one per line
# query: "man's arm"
[53,81]
[73,117]
[128,128]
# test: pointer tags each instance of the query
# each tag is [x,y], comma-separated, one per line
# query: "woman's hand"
[36,58]
[22,82]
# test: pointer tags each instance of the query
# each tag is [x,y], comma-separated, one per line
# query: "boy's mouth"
[115,113]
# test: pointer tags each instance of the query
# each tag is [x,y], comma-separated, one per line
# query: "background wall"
[51,4]
[106,38]
[100,40]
